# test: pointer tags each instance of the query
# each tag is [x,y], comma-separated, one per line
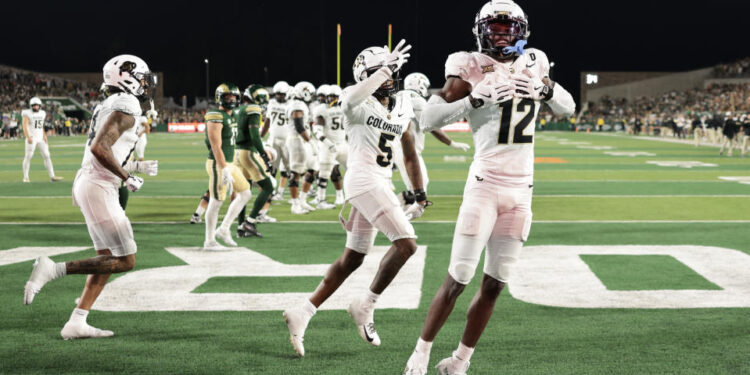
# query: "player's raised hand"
[149,167]
[133,183]
[226,176]
[398,57]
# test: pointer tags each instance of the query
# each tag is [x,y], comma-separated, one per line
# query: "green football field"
[635,265]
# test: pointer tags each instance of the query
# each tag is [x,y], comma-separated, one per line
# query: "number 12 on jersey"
[507,110]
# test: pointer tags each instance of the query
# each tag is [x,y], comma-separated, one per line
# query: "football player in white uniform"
[144,127]
[331,135]
[95,192]
[298,145]
[306,92]
[33,129]
[417,86]
[374,121]
[278,124]
[500,89]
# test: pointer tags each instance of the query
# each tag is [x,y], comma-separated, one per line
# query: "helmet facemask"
[496,33]
[227,102]
[388,87]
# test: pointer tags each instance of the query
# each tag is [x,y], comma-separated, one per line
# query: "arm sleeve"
[438,113]
[254,130]
[299,124]
[561,102]
[356,94]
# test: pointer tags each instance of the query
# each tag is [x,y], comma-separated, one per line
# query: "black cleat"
[249,230]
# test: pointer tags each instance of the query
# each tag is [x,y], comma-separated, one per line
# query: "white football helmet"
[323,90]
[367,62]
[35,101]
[418,82]
[334,92]
[281,91]
[130,74]
[304,91]
[500,17]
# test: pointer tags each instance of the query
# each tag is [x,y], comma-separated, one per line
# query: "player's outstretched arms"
[101,147]
[442,137]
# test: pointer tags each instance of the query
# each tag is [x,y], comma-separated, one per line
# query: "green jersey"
[248,115]
[228,133]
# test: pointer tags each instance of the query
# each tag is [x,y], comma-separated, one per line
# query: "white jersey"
[36,123]
[418,104]
[334,122]
[124,146]
[372,130]
[298,105]
[141,122]
[279,123]
[315,107]
[503,134]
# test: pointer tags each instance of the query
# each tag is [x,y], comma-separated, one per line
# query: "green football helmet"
[257,94]
[223,91]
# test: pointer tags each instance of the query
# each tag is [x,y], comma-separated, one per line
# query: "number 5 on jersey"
[508,110]
[385,146]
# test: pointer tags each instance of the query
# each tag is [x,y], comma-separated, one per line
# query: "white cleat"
[452,366]
[226,237]
[195,219]
[417,364]
[323,205]
[298,210]
[214,246]
[362,313]
[264,218]
[306,205]
[314,201]
[82,330]
[26,179]
[277,197]
[55,178]
[43,272]
[296,321]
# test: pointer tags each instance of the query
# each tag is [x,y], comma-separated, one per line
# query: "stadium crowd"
[735,69]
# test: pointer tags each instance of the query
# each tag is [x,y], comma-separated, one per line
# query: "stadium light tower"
[205,61]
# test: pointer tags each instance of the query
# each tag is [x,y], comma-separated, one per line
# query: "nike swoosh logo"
[480,179]
[537,88]
[369,339]
[529,66]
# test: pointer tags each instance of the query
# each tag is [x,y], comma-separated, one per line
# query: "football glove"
[148,167]
[414,211]
[460,146]
[133,183]
[530,86]
[226,176]
[398,57]
[267,162]
[493,89]
[152,114]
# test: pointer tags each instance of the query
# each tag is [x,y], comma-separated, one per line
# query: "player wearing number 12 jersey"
[374,120]
[500,88]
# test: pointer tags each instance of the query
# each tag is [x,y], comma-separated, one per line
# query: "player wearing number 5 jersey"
[374,120]
[221,133]
[500,89]
[33,129]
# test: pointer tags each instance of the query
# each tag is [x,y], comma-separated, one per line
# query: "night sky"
[296,41]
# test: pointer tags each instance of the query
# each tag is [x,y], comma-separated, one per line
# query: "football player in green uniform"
[221,134]
[251,156]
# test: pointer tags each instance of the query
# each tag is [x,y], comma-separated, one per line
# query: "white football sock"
[212,216]
[280,191]
[48,164]
[60,270]
[321,194]
[423,346]
[303,196]
[464,352]
[235,207]
[339,194]
[26,165]
[309,308]
[78,316]
[372,297]
[200,210]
